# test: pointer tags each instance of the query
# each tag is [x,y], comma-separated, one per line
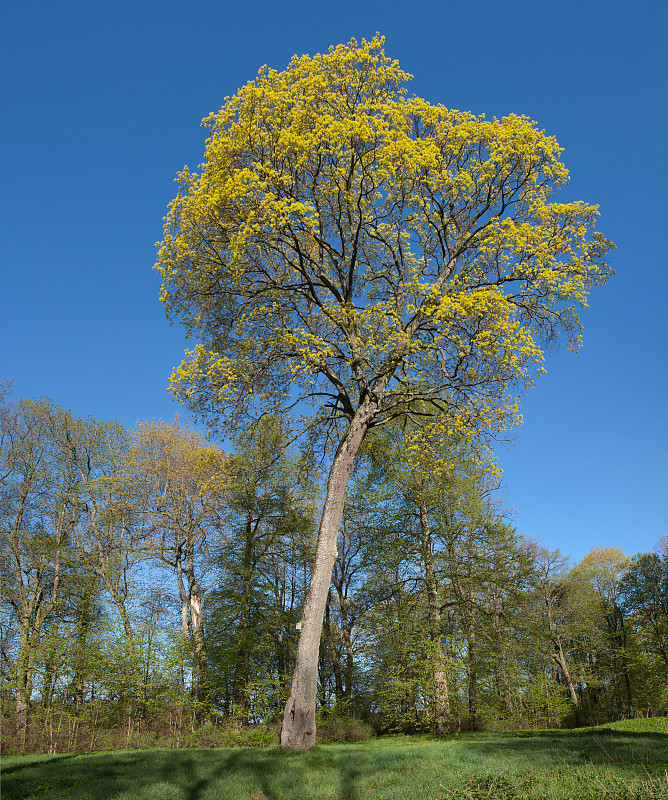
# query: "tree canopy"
[343,239]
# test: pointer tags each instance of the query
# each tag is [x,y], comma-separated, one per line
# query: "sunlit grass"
[624,761]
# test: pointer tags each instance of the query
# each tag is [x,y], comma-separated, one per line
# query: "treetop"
[343,241]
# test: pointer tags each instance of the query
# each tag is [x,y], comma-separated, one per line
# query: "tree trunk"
[23,691]
[133,659]
[625,663]
[350,655]
[561,660]
[50,675]
[199,653]
[347,622]
[183,594]
[32,609]
[195,593]
[559,655]
[440,678]
[83,627]
[333,653]
[500,647]
[298,730]
[473,673]
[243,633]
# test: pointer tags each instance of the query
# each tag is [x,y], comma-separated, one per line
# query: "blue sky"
[102,105]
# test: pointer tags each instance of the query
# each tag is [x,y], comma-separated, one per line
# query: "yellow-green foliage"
[343,239]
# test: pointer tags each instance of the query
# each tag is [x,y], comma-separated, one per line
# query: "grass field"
[624,761]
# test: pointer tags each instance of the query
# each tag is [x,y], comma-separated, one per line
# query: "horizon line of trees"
[153,585]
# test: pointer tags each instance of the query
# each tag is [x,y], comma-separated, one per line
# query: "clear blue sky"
[101,107]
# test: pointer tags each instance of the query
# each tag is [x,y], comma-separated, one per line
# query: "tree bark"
[23,689]
[473,673]
[241,656]
[560,658]
[347,622]
[559,655]
[83,628]
[197,620]
[333,653]
[298,730]
[350,655]
[440,678]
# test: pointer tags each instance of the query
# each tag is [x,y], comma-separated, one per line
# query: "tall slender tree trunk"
[23,689]
[625,663]
[298,730]
[33,610]
[350,655]
[473,673]
[183,594]
[347,622]
[50,675]
[440,678]
[83,627]
[130,644]
[333,651]
[502,660]
[241,656]
[560,658]
[197,620]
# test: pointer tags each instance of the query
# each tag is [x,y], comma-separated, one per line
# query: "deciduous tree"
[181,484]
[356,249]
[644,592]
[267,525]
[36,492]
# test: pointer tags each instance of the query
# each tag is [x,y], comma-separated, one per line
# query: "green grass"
[623,761]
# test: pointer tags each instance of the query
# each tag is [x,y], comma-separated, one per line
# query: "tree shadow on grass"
[192,773]
[17,767]
[105,775]
[284,775]
[67,776]
[603,747]
[279,775]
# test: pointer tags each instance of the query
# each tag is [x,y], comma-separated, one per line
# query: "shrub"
[342,729]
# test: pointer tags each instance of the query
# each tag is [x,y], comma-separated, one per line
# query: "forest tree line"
[152,588]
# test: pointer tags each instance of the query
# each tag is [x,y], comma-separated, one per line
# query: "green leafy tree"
[36,494]
[108,536]
[604,567]
[644,593]
[181,495]
[356,249]
[258,595]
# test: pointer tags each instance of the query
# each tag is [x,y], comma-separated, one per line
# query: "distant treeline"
[152,588]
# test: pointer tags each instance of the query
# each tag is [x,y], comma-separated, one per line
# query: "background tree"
[108,535]
[37,488]
[604,567]
[92,646]
[353,248]
[259,590]
[644,592]
[182,492]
